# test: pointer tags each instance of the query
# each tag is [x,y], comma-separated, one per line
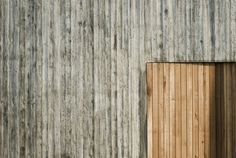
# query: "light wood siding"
[192,110]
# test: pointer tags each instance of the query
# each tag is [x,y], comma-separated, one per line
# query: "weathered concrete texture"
[73,75]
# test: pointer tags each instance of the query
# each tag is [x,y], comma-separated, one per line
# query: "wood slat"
[166,89]
[178,111]
[172,112]
[195,112]
[155,111]
[161,110]
[218,108]
[201,109]
[184,109]
[234,108]
[229,110]
[189,111]
[223,112]
[212,94]
[150,101]
[206,110]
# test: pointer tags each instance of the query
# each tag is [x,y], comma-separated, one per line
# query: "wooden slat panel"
[193,112]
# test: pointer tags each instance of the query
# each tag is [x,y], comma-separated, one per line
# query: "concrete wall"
[73,73]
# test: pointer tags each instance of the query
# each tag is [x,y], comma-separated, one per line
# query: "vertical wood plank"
[224,111]
[212,110]
[166,104]
[161,110]
[207,96]
[184,109]
[189,111]
[195,111]
[172,112]
[155,111]
[201,108]
[150,108]
[218,110]
[229,109]
[234,109]
[178,111]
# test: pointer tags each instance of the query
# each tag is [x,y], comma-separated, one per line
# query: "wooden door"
[191,110]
